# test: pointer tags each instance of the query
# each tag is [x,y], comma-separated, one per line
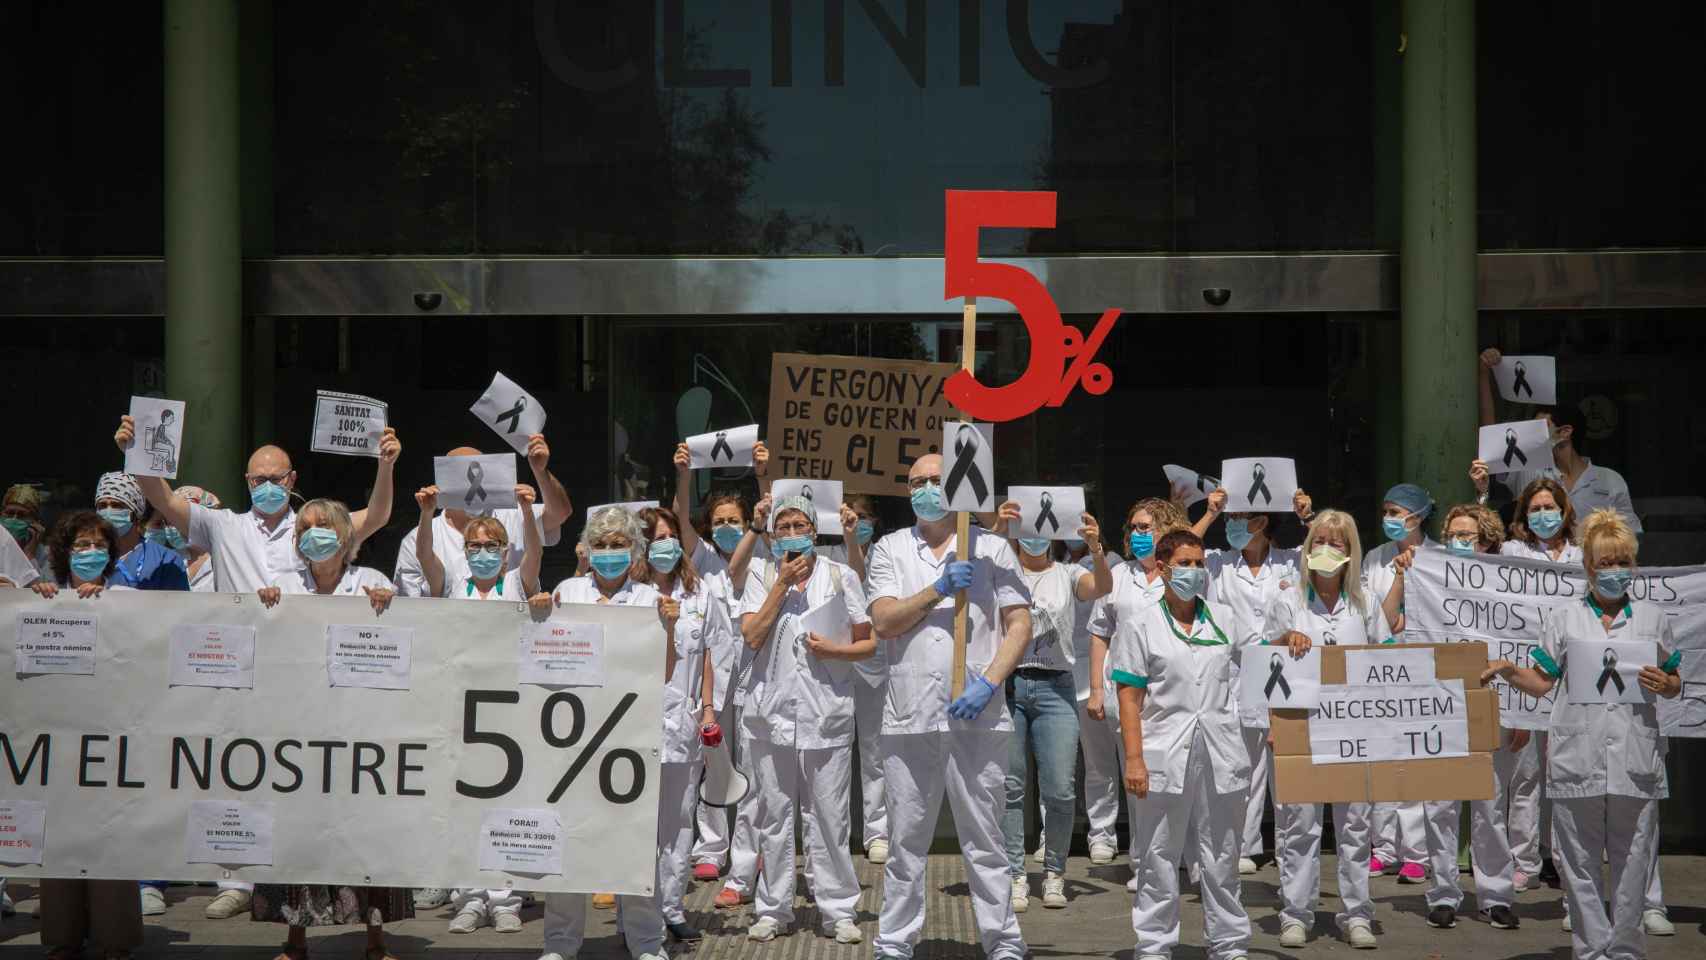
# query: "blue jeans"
[1045,725]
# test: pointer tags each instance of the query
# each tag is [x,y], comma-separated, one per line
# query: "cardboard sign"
[1524,445]
[477,485]
[861,421]
[511,412]
[1528,379]
[1259,484]
[1363,723]
[968,466]
[347,424]
[1188,486]
[723,448]
[826,495]
[159,442]
[1052,512]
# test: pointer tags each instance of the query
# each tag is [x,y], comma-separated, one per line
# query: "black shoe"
[1549,872]
[1500,917]
[685,934]
[1443,917]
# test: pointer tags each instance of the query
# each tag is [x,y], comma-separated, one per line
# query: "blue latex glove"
[956,576]
[976,697]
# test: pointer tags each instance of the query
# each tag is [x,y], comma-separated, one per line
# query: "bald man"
[932,747]
[447,526]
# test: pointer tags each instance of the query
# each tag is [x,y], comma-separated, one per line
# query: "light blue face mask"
[318,543]
[167,537]
[611,563]
[89,564]
[1462,548]
[727,536]
[1395,528]
[1613,582]
[1142,544]
[664,554]
[1545,524]
[268,497]
[485,563]
[118,517]
[864,530]
[1033,546]
[927,503]
[1238,533]
[782,546]
[1188,582]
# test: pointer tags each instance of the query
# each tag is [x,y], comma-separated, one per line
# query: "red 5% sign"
[1047,380]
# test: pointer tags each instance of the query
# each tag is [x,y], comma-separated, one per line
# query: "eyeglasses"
[794,528]
[474,545]
[256,479]
[917,482]
[81,545]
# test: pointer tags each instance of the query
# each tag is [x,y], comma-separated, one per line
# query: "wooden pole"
[962,522]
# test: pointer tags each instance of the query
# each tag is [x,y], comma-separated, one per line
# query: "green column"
[1438,245]
[204,261]
[1385,339]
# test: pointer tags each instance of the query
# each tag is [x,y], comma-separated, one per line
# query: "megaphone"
[722,784]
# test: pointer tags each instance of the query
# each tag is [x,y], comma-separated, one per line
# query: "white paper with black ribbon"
[1053,513]
[1270,678]
[1528,379]
[968,466]
[1607,671]
[723,448]
[477,485]
[1189,486]
[1259,484]
[511,412]
[825,495]
[1518,445]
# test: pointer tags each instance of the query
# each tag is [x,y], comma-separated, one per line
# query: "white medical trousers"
[868,719]
[1297,841]
[488,904]
[637,917]
[1103,758]
[678,795]
[1261,763]
[1517,776]
[970,767]
[1489,854]
[1399,833]
[1624,830]
[786,779]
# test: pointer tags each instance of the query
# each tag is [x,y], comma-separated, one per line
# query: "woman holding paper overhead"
[1330,606]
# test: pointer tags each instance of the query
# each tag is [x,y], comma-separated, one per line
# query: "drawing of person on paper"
[160,441]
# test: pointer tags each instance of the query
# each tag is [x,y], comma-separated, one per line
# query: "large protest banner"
[860,420]
[1504,601]
[190,736]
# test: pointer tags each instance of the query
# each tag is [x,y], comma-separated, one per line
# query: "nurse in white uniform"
[932,747]
[325,544]
[1098,740]
[619,576]
[868,696]
[1185,759]
[797,709]
[1605,763]
[1330,606]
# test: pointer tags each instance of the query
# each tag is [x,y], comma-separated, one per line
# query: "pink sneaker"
[705,872]
[1412,873]
[1520,881]
[1377,866]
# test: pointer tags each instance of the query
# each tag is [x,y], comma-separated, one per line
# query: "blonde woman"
[325,541]
[1605,765]
[1330,605]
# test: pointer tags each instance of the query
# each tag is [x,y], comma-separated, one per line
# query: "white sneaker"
[1568,926]
[1246,866]
[467,920]
[654,956]
[1195,874]
[506,922]
[763,930]
[846,931]
[431,898]
[554,956]
[1102,852]
[227,904]
[1657,924]
[1021,894]
[153,902]
[877,852]
[1131,885]
[6,904]
[1293,934]
[1360,934]
[1042,849]
[1054,891]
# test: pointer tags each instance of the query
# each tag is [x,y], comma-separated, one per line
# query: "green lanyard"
[1202,614]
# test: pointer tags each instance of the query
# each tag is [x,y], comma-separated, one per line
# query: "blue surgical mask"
[864,530]
[318,543]
[1395,528]
[1142,544]
[664,554]
[89,564]
[118,517]
[727,536]
[782,546]
[1545,523]
[1238,533]
[612,562]
[927,503]
[485,563]
[268,497]
[168,537]
[1188,582]
[1462,548]
[1613,582]
[1034,546]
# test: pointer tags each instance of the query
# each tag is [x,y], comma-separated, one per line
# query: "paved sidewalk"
[1097,923]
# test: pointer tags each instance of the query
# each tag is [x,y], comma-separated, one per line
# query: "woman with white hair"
[325,540]
[620,575]
[1330,606]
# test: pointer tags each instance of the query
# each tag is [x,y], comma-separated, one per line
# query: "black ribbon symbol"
[513,414]
[965,466]
[1257,485]
[806,491]
[722,446]
[1276,678]
[476,473]
[1521,383]
[1045,505]
[1609,674]
[1511,449]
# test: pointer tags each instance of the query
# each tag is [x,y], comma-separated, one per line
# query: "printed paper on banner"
[1362,723]
[561,653]
[371,656]
[56,643]
[1055,513]
[1389,666]
[1524,445]
[968,466]
[158,443]
[861,421]
[525,841]
[229,833]
[477,485]
[23,831]
[213,655]
[1528,379]
[1608,671]
[1272,679]
[347,424]
[1187,485]
[825,495]
[511,412]
[723,448]
[1259,484]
